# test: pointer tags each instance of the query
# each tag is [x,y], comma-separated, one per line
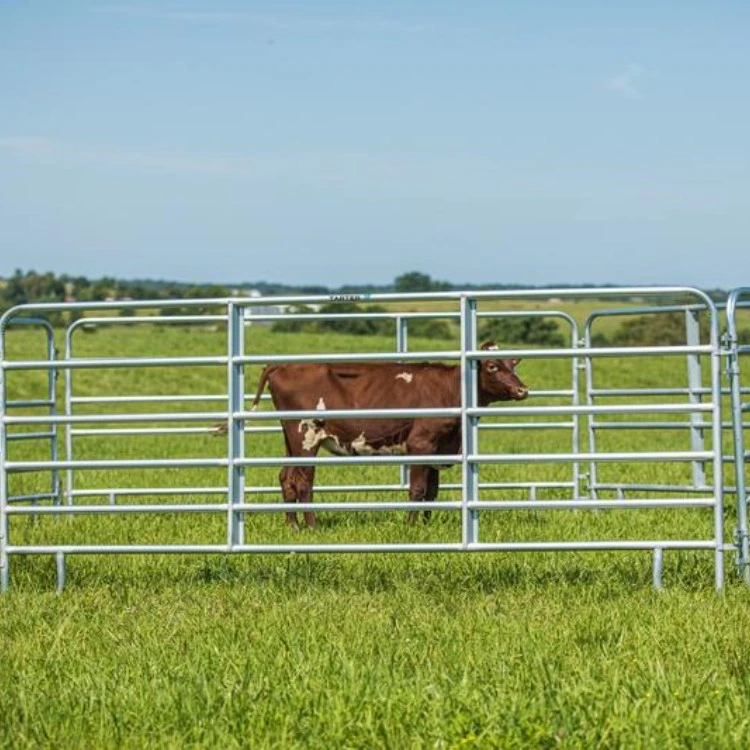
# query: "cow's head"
[498,380]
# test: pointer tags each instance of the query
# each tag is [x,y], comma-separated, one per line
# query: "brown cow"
[377,386]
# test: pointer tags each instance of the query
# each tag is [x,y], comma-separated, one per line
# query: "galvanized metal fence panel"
[700,401]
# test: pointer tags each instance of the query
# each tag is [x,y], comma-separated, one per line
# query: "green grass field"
[386,650]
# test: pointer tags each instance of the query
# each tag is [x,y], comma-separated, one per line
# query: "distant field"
[393,650]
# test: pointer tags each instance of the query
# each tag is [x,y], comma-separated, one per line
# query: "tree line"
[30,286]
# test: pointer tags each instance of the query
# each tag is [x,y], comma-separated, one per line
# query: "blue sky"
[349,142]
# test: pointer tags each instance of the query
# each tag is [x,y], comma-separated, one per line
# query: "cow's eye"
[492,368]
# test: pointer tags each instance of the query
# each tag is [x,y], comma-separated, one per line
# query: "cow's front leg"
[418,484]
[433,485]
[425,439]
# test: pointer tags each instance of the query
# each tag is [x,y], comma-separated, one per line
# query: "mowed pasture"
[347,650]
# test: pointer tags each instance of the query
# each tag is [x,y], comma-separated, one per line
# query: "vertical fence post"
[576,436]
[52,398]
[469,425]
[60,572]
[693,338]
[235,427]
[69,413]
[716,444]
[402,345]
[4,570]
[657,573]
[735,386]
[589,370]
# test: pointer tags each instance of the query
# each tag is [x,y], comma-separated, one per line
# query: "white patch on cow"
[494,347]
[407,377]
[361,447]
[316,436]
[397,449]
[310,439]
[332,444]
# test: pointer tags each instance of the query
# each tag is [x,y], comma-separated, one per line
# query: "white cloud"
[626,84]
[52,150]
[28,144]
[291,24]
[332,167]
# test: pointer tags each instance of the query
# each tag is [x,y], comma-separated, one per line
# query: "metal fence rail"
[702,408]
[400,320]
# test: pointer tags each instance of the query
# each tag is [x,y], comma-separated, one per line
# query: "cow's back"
[363,386]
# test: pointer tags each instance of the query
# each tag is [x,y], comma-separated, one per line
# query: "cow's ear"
[515,362]
[489,345]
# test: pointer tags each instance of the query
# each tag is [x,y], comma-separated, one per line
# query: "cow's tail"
[220,428]
[261,386]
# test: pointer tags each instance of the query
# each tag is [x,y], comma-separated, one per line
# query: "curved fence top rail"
[262,317]
[43,322]
[733,302]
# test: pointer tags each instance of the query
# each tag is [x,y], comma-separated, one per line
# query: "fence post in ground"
[588,365]
[733,370]
[402,345]
[716,444]
[692,332]
[235,426]
[4,573]
[469,428]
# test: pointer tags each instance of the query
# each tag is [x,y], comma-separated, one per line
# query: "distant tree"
[356,326]
[413,282]
[313,290]
[14,292]
[103,289]
[522,330]
[31,286]
[138,291]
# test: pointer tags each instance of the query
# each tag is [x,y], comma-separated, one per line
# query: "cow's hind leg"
[289,493]
[297,481]
[306,494]
[296,487]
